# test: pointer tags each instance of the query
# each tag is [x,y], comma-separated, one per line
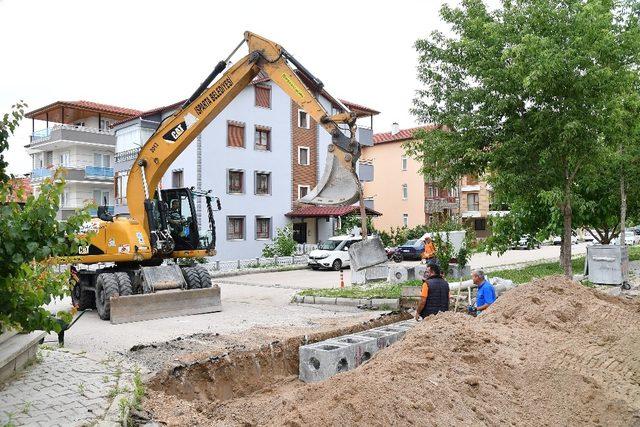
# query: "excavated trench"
[234,374]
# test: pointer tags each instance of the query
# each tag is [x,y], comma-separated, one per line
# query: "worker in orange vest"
[429,252]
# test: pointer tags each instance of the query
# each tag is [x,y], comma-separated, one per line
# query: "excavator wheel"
[205,278]
[106,287]
[82,299]
[124,284]
[192,277]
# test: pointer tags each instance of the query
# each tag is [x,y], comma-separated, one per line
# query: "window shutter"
[263,96]
[235,135]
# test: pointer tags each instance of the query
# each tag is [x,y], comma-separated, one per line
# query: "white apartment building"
[76,136]
[258,156]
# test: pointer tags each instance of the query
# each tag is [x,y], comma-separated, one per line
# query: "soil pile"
[551,352]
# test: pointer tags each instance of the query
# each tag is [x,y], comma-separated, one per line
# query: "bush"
[283,244]
[31,239]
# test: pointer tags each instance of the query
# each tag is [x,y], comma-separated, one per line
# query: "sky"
[144,54]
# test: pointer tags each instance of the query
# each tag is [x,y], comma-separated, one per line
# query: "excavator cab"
[181,219]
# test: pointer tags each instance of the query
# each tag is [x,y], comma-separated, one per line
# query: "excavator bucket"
[165,295]
[339,184]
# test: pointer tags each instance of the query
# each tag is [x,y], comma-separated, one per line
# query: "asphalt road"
[303,279]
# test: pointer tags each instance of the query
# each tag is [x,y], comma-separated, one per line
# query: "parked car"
[412,249]
[557,239]
[527,242]
[332,253]
[630,239]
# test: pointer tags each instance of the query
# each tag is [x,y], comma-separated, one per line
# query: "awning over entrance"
[328,211]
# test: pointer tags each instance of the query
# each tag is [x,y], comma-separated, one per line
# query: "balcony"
[127,155]
[439,204]
[71,134]
[88,173]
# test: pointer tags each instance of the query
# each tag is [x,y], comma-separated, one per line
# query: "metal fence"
[257,263]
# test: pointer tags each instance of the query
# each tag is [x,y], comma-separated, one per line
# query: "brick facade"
[301,137]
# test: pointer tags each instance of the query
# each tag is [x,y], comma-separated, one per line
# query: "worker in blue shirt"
[486,293]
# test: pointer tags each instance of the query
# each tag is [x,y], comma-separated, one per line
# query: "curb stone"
[392,303]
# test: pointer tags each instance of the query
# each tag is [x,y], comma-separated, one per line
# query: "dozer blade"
[339,183]
[367,253]
[171,303]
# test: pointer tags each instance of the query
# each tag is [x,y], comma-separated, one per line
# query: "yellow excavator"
[161,223]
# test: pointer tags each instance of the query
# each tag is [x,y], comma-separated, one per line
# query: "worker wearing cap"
[486,293]
[435,293]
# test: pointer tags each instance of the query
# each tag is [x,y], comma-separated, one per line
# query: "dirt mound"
[551,352]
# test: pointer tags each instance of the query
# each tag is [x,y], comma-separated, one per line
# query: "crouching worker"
[435,293]
[486,293]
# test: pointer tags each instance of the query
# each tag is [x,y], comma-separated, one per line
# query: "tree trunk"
[565,250]
[623,204]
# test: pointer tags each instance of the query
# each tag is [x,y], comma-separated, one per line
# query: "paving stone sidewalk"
[65,388]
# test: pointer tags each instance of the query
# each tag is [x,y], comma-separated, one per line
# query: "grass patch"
[517,275]
[384,291]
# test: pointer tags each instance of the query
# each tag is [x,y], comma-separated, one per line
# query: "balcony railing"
[41,173]
[440,204]
[73,133]
[94,212]
[74,173]
[127,155]
[97,172]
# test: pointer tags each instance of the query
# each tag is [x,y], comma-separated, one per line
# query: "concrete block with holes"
[322,360]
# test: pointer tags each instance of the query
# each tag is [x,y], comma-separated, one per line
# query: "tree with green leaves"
[524,95]
[31,239]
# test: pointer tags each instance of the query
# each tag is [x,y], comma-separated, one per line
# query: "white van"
[332,253]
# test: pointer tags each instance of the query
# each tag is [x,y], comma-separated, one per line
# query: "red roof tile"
[86,105]
[324,211]
[404,134]
[354,106]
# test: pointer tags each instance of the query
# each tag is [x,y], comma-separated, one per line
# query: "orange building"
[398,189]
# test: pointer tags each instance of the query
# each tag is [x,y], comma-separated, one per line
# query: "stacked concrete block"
[419,271]
[398,274]
[324,359]
[371,274]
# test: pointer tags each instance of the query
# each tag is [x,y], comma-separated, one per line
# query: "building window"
[405,220]
[235,134]
[430,192]
[263,228]
[263,96]
[121,180]
[235,228]
[303,119]
[263,183]
[303,190]
[453,192]
[405,192]
[368,203]
[473,202]
[101,197]
[64,199]
[64,158]
[303,156]
[177,179]
[480,224]
[235,182]
[405,163]
[101,160]
[262,138]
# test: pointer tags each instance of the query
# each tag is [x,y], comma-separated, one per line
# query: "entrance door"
[300,232]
